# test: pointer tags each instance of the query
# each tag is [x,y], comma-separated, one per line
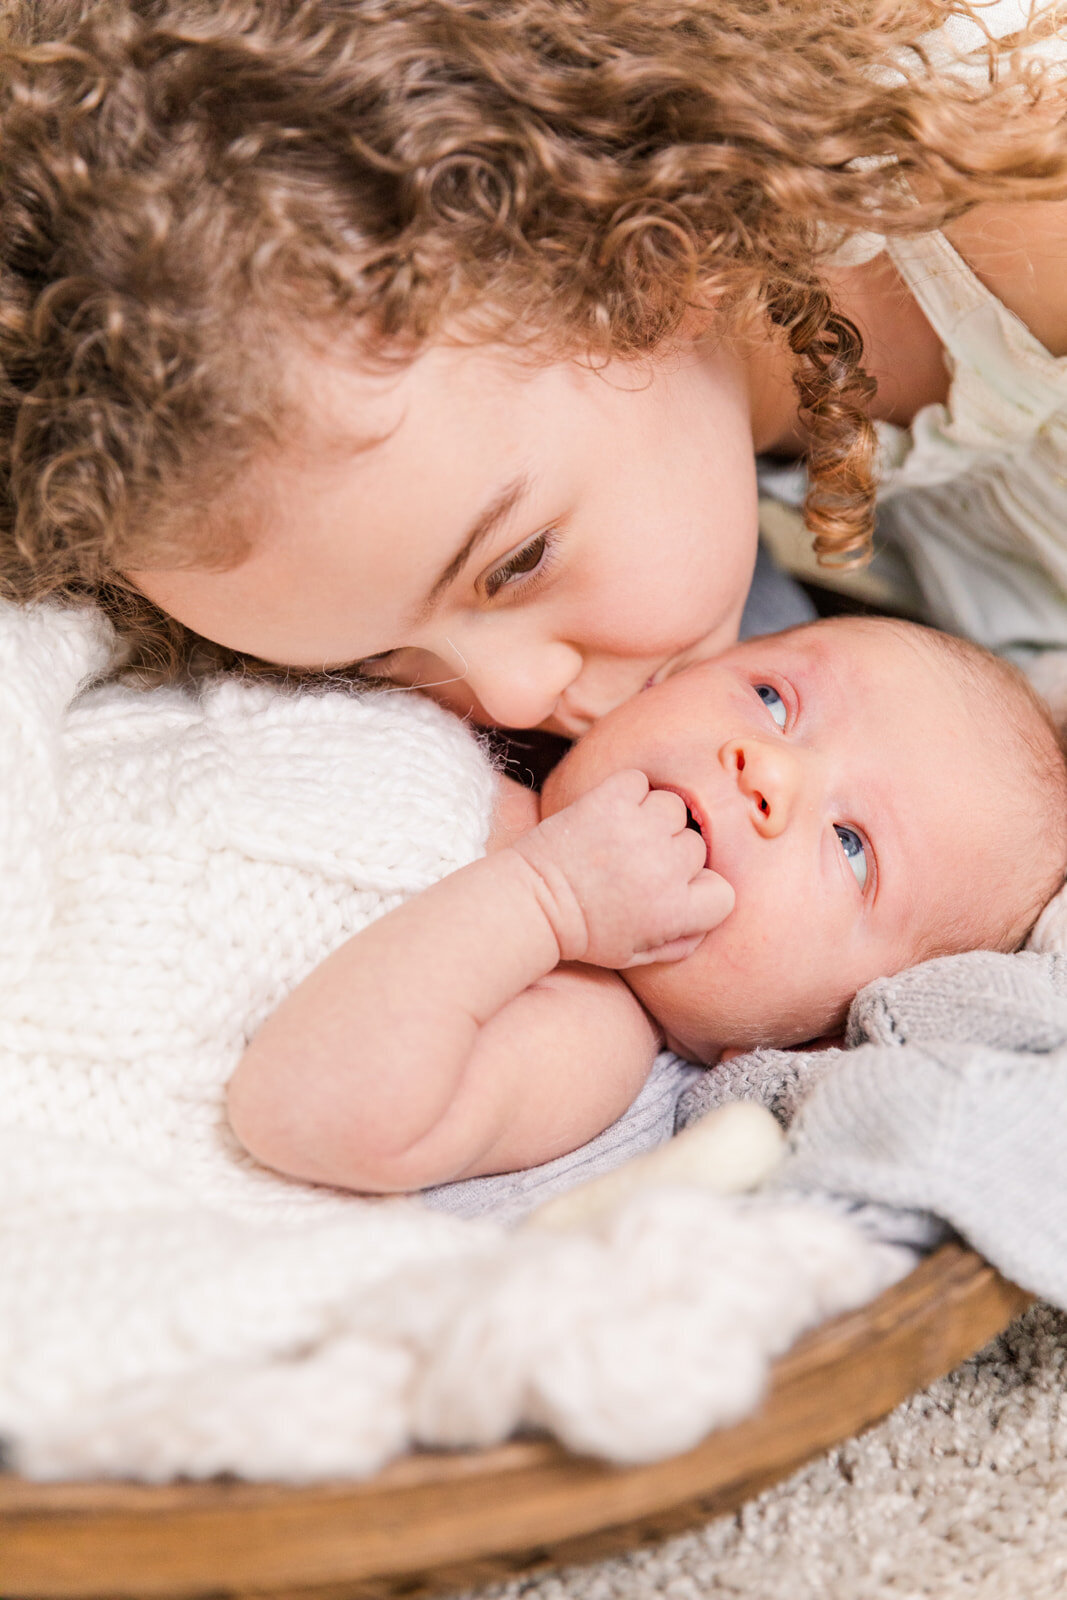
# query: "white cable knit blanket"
[171,864]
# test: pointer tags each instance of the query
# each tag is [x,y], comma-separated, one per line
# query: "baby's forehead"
[890,656]
[866,651]
[917,704]
[912,688]
[839,637]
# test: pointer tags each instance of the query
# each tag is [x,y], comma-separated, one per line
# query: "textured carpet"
[961,1494]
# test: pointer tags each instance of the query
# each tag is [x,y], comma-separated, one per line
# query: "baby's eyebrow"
[488,520]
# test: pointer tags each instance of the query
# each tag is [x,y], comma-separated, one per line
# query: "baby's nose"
[768,775]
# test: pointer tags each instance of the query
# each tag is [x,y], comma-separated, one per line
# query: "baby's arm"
[441,1042]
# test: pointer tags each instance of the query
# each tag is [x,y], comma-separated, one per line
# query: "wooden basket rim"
[434,1521]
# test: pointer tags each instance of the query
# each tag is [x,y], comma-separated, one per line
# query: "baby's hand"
[621,877]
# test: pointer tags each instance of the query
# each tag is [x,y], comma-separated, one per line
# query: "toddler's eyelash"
[514,565]
[368,667]
[541,546]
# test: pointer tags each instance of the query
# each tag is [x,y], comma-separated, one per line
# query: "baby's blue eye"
[773,701]
[855,851]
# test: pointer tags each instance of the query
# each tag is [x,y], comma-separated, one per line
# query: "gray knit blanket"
[947,1110]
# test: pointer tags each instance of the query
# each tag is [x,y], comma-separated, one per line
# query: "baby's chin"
[682,1032]
[707,1039]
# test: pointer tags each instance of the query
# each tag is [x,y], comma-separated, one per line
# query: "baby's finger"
[711,899]
[667,808]
[673,950]
[629,784]
[690,852]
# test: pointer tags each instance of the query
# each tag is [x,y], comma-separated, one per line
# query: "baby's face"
[843,781]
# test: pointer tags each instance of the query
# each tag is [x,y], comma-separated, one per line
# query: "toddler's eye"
[519,564]
[855,851]
[375,666]
[773,701]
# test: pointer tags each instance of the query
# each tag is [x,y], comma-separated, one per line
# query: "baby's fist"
[622,878]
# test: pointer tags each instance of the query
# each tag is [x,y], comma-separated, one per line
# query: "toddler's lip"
[659,675]
[662,672]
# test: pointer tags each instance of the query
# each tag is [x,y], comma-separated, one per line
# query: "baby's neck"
[515,812]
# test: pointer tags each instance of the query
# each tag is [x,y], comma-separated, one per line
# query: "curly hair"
[187,185]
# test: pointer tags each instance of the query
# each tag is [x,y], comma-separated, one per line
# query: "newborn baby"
[720,863]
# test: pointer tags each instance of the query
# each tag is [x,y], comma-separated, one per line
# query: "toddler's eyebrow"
[496,511]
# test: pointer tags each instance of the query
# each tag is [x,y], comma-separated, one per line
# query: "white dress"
[972,522]
[974,494]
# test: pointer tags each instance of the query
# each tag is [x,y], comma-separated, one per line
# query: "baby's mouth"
[693,822]
[692,819]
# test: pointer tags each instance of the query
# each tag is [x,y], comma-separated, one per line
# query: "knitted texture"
[950,1103]
[954,1101]
[177,864]
[173,863]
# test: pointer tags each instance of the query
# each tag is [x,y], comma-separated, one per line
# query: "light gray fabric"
[951,1101]
[781,1080]
[510,1195]
[775,600]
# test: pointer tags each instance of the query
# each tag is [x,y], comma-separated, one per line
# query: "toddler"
[445,333]
[722,862]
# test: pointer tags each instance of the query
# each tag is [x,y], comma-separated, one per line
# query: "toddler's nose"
[521,687]
[768,775]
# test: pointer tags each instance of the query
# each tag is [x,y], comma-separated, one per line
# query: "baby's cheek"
[554,790]
[700,1002]
[580,770]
